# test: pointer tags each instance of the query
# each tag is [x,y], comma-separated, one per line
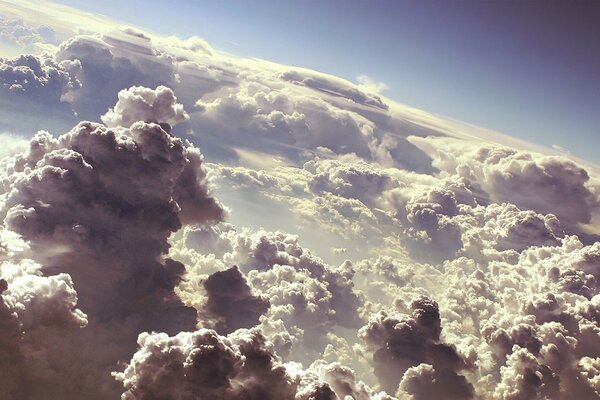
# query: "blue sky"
[529,69]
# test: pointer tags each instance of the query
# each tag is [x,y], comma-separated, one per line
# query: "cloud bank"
[198,226]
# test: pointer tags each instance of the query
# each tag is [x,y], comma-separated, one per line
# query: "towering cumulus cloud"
[97,206]
[358,250]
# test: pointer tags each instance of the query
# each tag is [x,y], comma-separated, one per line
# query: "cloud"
[232,302]
[24,37]
[97,207]
[380,252]
[110,64]
[36,313]
[12,381]
[332,85]
[350,180]
[425,382]
[307,297]
[400,342]
[546,184]
[11,144]
[41,78]
[366,83]
[344,382]
[256,104]
[204,365]
[142,104]
[34,93]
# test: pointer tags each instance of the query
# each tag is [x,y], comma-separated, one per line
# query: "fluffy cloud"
[399,342]
[344,382]
[97,207]
[546,184]
[204,365]
[232,302]
[36,313]
[109,64]
[493,266]
[15,32]
[12,364]
[34,93]
[307,297]
[142,104]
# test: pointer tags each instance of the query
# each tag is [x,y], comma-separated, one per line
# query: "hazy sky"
[529,69]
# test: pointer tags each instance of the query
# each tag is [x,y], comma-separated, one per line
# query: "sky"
[528,69]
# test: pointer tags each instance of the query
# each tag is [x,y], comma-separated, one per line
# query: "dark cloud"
[308,298]
[231,301]
[344,382]
[36,314]
[99,205]
[400,342]
[424,382]
[11,360]
[204,365]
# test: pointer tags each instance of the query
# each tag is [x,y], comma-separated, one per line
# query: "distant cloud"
[24,37]
[367,84]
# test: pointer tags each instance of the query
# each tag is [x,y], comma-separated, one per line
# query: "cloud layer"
[336,245]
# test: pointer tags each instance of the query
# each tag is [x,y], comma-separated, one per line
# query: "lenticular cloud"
[326,244]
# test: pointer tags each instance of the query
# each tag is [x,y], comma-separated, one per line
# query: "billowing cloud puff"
[350,180]
[12,363]
[546,184]
[40,78]
[204,365]
[307,297]
[109,64]
[293,120]
[231,301]
[36,313]
[142,104]
[424,382]
[449,221]
[344,382]
[399,342]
